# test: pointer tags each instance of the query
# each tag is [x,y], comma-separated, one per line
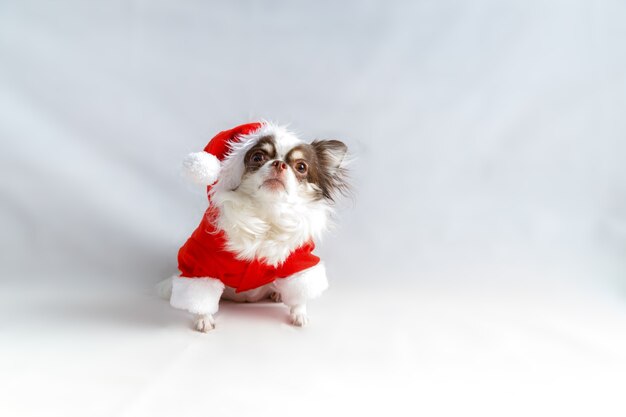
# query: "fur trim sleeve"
[196,295]
[302,286]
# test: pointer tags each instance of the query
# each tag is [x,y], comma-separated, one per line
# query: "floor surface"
[419,351]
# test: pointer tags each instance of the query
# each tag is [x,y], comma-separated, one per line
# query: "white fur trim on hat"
[202,168]
[233,163]
[303,286]
[196,295]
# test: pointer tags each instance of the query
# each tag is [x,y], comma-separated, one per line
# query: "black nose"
[279,165]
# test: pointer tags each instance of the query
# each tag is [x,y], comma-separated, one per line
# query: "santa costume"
[207,267]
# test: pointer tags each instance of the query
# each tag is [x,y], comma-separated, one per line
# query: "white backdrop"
[489,135]
[489,138]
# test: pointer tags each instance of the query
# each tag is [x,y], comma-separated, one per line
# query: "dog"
[270,197]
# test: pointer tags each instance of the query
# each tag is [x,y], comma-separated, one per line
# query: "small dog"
[270,196]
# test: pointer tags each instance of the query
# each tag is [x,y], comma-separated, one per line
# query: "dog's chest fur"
[268,230]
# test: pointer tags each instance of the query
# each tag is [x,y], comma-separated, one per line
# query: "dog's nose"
[279,165]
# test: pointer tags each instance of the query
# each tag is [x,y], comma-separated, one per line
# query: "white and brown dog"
[270,196]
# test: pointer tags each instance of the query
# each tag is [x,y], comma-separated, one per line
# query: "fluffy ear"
[201,168]
[331,156]
[330,153]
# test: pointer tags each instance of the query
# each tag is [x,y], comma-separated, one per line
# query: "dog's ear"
[330,153]
[332,163]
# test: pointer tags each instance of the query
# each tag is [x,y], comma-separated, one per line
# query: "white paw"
[298,315]
[204,323]
[299,319]
[276,297]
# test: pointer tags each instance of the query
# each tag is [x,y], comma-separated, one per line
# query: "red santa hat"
[204,167]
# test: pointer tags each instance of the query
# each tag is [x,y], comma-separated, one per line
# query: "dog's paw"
[204,323]
[299,320]
[298,316]
[276,297]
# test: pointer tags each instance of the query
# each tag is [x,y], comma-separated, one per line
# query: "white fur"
[305,285]
[233,164]
[196,295]
[268,230]
[266,224]
[202,168]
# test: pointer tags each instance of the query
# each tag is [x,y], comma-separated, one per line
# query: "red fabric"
[204,255]
[218,146]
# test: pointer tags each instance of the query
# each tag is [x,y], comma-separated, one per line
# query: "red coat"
[204,255]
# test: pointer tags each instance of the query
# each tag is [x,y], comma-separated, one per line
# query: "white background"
[478,269]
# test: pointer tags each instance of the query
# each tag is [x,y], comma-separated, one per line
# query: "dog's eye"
[301,167]
[258,157]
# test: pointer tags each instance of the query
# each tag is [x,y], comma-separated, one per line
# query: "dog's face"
[279,169]
[276,192]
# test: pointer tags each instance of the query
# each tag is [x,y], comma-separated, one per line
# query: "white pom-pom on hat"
[202,168]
